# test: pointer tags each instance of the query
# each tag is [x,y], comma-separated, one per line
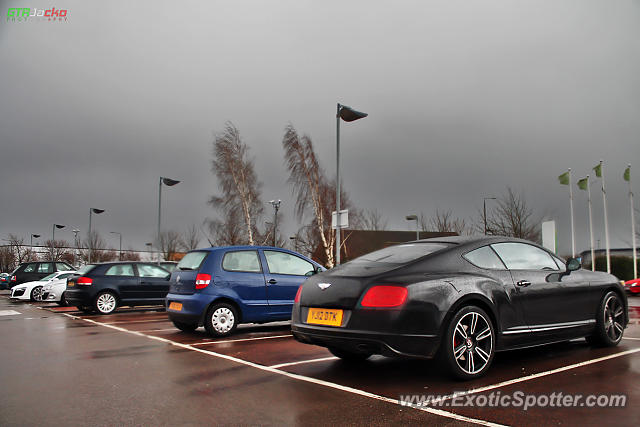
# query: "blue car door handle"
[272,281]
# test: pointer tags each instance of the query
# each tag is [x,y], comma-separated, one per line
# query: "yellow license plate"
[71,284]
[324,316]
[177,306]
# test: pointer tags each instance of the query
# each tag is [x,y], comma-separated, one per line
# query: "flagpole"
[593,256]
[633,228]
[573,236]
[606,221]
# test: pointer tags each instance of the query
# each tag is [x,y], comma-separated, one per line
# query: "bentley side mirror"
[573,264]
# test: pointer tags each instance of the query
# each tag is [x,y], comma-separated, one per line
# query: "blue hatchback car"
[221,287]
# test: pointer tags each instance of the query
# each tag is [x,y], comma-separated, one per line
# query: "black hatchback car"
[33,271]
[105,287]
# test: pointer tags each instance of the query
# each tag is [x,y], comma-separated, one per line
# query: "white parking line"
[347,389]
[117,322]
[538,375]
[631,338]
[322,359]
[243,339]
[161,330]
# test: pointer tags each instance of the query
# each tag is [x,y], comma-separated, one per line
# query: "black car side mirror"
[573,264]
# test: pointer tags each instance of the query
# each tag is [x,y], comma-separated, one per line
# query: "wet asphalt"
[62,367]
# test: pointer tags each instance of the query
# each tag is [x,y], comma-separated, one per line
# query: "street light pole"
[348,115]
[53,238]
[75,242]
[169,183]
[89,238]
[484,211]
[276,207]
[414,218]
[120,252]
[32,236]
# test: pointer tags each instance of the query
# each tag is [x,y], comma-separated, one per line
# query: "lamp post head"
[59,227]
[35,235]
[348,114]
[97,211]
[275,203]
[411,217]
[169,182]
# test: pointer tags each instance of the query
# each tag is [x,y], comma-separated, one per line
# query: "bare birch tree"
[445,222]
[170,243]
[191,238]
[512,217]
[372,220]
[237,181]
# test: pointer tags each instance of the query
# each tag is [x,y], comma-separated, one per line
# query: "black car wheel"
[469,344]
[349,356]
[221,320]
[106,302]
[36,293]
[186,327]
[63,301]
[609,322]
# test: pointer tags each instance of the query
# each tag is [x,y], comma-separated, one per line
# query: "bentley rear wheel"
[469,344]
[610,321]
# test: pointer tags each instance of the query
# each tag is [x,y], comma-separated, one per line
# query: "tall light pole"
[276,207]
[414,218]
[75,242]
[484,211]
[120,235]
[169,183]
[32,236]
[53,238]
[89,238]
[347,114]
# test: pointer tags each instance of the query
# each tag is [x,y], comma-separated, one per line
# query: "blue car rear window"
[192,260]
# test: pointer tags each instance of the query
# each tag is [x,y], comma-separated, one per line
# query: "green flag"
[598,170]
[583,183]
[627,174]
[564,178]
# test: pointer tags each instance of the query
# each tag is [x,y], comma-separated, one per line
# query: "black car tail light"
[383,296]
[202,280]
[297,299]
[84,281]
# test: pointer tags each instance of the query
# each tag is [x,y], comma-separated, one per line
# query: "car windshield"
[401,254]
[192,260]
[85,269]
[49,277]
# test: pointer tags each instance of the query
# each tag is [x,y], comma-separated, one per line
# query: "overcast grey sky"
[464,99]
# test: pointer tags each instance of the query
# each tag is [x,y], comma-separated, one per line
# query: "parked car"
[54,289]
[32,291]
[168,265]
[105,287]
[632,286]
[223,286]
[4,280]
[33,271]
[459,298]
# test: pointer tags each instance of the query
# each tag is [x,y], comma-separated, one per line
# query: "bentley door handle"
[523,283]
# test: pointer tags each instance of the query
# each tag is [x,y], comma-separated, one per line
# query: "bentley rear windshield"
[401,254]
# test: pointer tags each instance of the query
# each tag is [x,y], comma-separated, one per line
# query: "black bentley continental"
[460,299]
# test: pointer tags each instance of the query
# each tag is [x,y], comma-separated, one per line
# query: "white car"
[53,290]
[32,291]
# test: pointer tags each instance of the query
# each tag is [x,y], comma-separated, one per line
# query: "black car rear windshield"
[192,260]
[401,254]
[85,269]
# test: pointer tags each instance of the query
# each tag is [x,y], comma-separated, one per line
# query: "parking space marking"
[631,338]
[161,330]
[9,312]
[347,389]
[243,339]
[322,359]
[538,375]
[132,321]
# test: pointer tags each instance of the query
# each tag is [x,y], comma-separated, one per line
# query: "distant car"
[168,265]
[459,298]
[632,286]
[33,271]
[4,280]
[221,287]
[54,289]
[32,291]
[105,287]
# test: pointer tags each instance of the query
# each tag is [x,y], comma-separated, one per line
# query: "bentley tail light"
[202,280]
[383,296]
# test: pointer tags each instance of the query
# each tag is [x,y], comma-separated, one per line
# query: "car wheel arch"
[477,300]
[224,300]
